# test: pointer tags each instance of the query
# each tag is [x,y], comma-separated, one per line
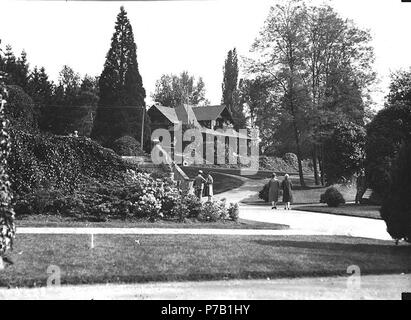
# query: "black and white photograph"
[205,150]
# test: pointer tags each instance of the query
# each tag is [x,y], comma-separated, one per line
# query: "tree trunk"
[300,166]
[315,157]
[321,162]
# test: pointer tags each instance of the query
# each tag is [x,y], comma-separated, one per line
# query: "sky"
[173,36]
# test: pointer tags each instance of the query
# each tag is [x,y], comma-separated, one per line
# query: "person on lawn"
[361,187]
[287,187]
[273,190]
[198,184]
[209,187]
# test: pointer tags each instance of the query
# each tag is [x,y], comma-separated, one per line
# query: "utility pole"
[142,128]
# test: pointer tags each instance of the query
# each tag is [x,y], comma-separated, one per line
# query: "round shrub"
[127,146]
[233,211]
[332,197]
[213,211]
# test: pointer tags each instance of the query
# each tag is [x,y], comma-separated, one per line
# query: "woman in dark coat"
[273,190]
[287,187]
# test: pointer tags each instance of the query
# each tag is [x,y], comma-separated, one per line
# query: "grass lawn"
[364,211]
[120,258]
[57,221]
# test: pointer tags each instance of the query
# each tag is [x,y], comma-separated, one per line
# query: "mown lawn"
[350,209]
[122,258]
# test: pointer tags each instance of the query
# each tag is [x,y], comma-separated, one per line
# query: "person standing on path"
[287,187]
[361,187]
[209,186]
[273,190]
[198,184]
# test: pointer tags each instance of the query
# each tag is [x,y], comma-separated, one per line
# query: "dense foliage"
[127,146]
[312,67]
[174,90]
[7,227]
[75,177]
[40,161]
[396,207]
[385,134]
[345,152]
[21,110]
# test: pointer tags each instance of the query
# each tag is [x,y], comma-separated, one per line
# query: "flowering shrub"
[233,211]
[213,211]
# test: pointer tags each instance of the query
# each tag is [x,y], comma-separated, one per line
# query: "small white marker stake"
[92,241]
[1,263]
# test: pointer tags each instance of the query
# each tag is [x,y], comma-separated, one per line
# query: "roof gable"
[207,113]
[189,114]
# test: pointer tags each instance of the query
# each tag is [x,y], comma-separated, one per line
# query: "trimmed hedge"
[127,146]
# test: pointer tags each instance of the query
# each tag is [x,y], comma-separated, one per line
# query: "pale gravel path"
[368,287]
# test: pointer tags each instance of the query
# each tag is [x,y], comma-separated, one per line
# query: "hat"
[200,171]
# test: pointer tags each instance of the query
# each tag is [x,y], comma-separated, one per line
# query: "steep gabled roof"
[169,113]
[210,112]
[187,113]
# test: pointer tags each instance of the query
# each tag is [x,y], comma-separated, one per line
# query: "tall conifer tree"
[122,94]
[231,94]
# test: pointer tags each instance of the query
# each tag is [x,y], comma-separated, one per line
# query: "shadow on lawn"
[361,247]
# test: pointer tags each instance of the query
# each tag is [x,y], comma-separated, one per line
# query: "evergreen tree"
[39,87]
[121,88]
[21,75]
[231,94]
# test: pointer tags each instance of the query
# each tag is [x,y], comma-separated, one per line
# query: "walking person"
[198,184]
[209,186]
[287,187]
[273,190]
[361,187]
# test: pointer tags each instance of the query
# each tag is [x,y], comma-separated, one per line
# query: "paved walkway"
[304,221]
[366,287]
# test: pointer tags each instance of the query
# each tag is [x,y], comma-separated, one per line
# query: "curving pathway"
[303,221]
